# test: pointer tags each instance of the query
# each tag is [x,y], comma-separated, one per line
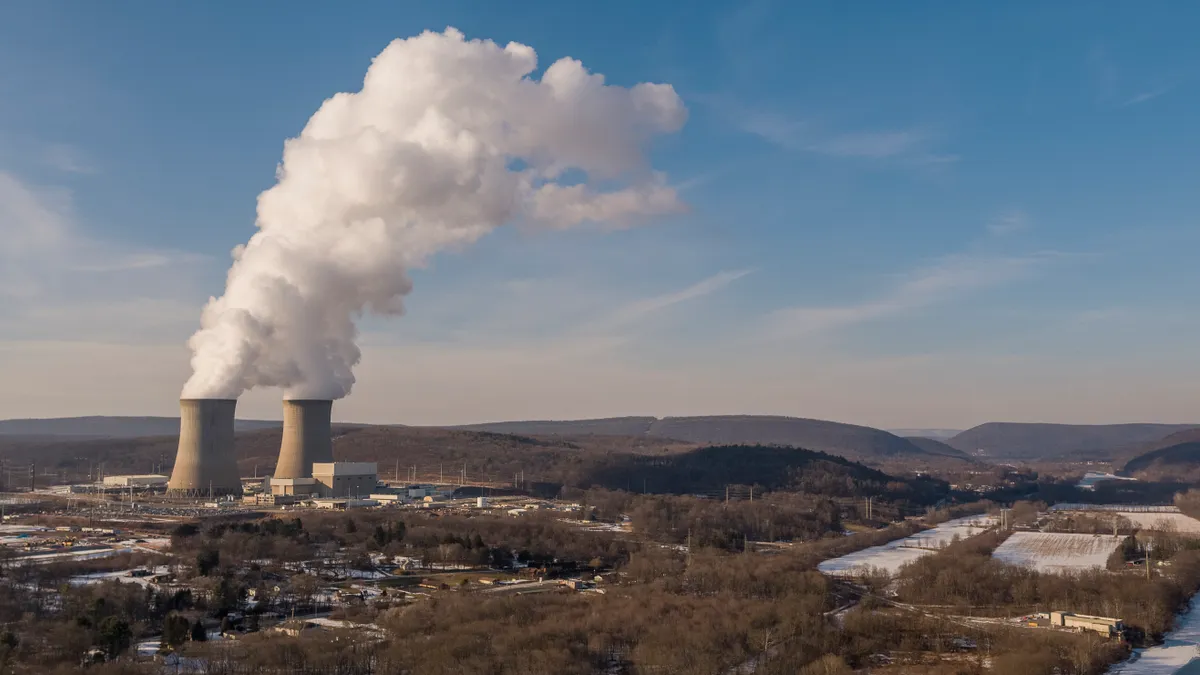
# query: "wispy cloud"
[66,158]
[1147,96]
[56,280]
[1009,223]
[872,145]
[947,279]
[646,307]
[907,144]
[40,240]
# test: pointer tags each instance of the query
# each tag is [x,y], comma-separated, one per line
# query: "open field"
[1162,518]
[891,556]
[1174,522]
[1057,552]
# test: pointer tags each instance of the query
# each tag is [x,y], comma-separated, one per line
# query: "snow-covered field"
[891,556]
[1176,522]
[1178,655]
[1055,552]
[77,554]
[1144,517]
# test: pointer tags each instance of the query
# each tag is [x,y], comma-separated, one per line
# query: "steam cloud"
[447,140]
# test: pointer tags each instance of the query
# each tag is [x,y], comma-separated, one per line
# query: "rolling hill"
[545,463]
[935,447]
[1016,440]
[108,427]
[1176,457]
[608,426]
[836,438]
[149,441]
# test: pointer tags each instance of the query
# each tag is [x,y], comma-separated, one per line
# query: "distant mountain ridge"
[1177,456]
[108,427]
[936,434]
[605,426]
[836,438]
[1020,440]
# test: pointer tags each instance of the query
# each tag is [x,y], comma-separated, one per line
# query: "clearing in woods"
[1057,552]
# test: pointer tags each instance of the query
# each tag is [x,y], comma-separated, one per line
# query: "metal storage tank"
[205,463]
[307,437]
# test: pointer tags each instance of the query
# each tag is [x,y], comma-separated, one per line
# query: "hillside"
[1015,440]
[547,463]
[608,426]
[847,440]
[108,427]
[1176,457]
[936,434]
[935,447]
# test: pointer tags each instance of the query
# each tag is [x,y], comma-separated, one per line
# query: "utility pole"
[441,477]
[1148,547]
[689,547]
[726,495]
[751,494]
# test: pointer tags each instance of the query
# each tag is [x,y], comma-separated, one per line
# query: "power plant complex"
[205,464]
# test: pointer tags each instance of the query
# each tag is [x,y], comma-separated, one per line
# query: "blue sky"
[917,214]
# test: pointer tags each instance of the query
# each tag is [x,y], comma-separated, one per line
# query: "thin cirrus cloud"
[912,145]
[619,326]
[1009,223]
[49,263]
[1146,96]
[945,280]
[66,158]
[645,308]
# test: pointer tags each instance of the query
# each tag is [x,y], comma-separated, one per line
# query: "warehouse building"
[345,479]
[147,480]
[1097,624]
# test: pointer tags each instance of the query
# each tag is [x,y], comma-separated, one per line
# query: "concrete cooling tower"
[205,463]
[307,437]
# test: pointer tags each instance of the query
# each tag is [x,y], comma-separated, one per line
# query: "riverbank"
[1179,654]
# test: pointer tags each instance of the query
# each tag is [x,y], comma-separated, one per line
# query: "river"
[1178,655]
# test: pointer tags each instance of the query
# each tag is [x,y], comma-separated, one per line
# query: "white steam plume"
[447,140]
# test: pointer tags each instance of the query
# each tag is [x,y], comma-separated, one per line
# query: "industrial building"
[330,479]
[149,480]
[293,486]
[343,503]
[1097,624]
[205,463]
[345,479]
[268,499]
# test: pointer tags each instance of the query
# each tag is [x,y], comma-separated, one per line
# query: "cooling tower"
[205,463]
[306,437]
